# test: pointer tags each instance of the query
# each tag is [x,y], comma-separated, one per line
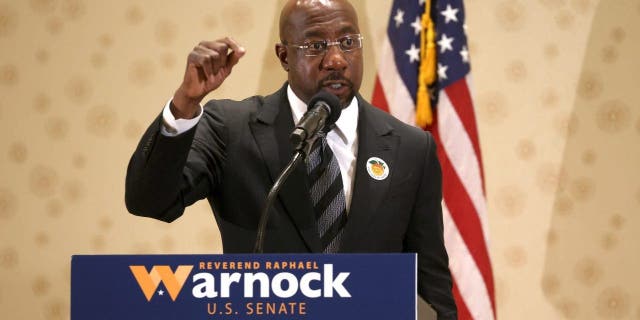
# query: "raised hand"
[208,65]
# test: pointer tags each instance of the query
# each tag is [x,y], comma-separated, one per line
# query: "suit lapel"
[375,139]
[271,129]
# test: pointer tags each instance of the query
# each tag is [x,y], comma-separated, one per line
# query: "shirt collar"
[346,125]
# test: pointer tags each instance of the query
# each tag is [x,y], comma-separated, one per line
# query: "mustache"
[336,76]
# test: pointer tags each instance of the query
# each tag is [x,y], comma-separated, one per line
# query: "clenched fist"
[208,65]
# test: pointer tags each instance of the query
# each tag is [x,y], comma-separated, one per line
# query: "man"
[230,152]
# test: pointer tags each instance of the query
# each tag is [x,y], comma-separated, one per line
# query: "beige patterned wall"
[558,109]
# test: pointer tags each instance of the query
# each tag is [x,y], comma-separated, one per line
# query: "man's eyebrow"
[313,34]
[348,29]
[317,33]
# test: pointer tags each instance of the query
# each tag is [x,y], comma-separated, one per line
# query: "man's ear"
[281,52]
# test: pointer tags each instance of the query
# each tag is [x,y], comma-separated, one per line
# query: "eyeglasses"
[315,48]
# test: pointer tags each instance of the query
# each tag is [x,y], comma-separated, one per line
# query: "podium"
[244,286]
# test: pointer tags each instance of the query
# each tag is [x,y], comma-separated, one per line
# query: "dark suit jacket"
[237,150]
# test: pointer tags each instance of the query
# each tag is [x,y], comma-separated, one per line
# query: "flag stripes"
[456,134]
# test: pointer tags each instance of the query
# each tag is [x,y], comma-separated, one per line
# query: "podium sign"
[244,286]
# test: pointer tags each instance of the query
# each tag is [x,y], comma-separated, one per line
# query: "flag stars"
[417,25]
[450,14]
[399,18]
[445,43]
[413,53]
[464,53]
[442,71]
[160,292]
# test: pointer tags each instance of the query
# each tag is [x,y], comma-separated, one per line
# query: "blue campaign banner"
[244,286]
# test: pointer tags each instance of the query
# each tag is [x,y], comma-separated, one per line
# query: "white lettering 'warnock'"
[282,285]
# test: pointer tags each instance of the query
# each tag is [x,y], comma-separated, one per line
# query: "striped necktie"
[327,195]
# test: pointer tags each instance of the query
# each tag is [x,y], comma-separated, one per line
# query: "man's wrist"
[173,126]
[184,108]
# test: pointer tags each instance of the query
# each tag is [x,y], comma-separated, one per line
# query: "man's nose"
[334,59]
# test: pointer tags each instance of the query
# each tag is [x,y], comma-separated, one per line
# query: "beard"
[338,85]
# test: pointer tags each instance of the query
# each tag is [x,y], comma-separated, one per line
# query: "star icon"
[399,18]
[442,71]
[464,53]
[445,43]
[417,25]
[413,53]
[450,14]
[160,292]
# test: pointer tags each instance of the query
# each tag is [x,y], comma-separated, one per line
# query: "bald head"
[297,12]
[335,70]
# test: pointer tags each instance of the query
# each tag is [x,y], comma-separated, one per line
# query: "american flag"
[454,128]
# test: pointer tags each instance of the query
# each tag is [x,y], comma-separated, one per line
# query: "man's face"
[335,71]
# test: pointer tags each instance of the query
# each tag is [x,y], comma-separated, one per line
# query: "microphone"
[322,112]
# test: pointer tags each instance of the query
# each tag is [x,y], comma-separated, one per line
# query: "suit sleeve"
[425,236]
[167,174]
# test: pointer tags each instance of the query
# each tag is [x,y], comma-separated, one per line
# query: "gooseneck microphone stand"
[302,151]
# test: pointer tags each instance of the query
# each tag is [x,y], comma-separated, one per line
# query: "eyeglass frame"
[305,46]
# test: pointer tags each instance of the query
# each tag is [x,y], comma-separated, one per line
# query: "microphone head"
[332,102]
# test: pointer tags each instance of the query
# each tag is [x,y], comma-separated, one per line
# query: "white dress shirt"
[343,139]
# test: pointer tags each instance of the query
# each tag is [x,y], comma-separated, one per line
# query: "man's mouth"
[336,85]
[339,86]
